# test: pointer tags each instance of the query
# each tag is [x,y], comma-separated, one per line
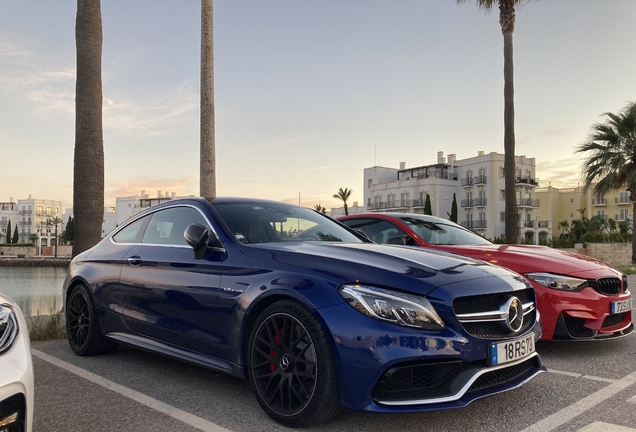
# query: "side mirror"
[403,240]
[198,236]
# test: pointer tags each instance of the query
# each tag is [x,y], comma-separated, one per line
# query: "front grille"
[492,302]
[607,286]
[494,329]
[575,325]
[504,375]
[416,381]
[9,406]
[613,320]
[488,302]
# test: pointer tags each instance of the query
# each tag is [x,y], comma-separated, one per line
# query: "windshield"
[443,233]
[259,222]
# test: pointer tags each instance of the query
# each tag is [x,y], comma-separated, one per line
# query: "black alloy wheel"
[291,367]
[82,329]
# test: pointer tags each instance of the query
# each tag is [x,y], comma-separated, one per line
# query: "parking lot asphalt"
[590,387]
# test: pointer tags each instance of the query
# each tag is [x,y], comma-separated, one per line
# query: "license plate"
[621,306]
[505,352]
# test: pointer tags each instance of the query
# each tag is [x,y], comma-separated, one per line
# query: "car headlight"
[8,327]
[558,282]
[392,306]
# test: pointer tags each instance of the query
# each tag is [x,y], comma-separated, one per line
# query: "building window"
[503,195]
[369,183]
[501,172]
[571,215]
[624,214]
[571,200]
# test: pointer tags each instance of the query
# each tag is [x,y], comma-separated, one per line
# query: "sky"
[307,93]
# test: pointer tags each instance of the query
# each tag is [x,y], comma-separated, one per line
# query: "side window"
[167,226]
[131,233]
[377,230]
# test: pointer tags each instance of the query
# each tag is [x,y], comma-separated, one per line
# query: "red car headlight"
[558,282]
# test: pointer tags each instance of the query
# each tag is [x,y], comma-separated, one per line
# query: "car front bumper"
[389,368]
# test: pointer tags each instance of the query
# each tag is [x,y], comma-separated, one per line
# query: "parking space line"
[176,413]
[578,375]
[605,427]
[568,413]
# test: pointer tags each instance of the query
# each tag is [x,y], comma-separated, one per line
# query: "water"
[37,290]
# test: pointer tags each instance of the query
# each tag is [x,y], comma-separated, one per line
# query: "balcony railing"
[4,223]
[620,217]
[527,180]
[24,223]
[466,203]
[25,212]
[479,202]
[545,224]
[598,202]
[622,200]
[527,224]
[479,180]
[467,182]
[474,224]
[418,203]
[479,224]
[527,202]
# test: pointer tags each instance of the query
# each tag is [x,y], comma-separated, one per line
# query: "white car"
[16,369]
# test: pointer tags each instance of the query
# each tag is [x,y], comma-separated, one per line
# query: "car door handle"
[135,260]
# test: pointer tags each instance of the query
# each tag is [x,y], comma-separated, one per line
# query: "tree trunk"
[507,19]
[88,165]
[633,232]
[207,157]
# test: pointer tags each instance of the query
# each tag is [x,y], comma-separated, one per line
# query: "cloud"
[49,88]
[168,112]
[181,186]
[559,173]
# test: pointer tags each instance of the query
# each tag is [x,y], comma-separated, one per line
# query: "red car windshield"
[442,233]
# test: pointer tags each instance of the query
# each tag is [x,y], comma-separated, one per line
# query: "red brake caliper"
[272,352]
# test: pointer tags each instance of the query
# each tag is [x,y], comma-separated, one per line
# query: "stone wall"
[32,251]
[611,253]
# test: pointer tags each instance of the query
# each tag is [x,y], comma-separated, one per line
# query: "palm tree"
[56,221]
[610,162]
[344,194]
[581,211]
[207,163]
[33,238]
[507,23]
[320,209]
[88,164]
[564,226]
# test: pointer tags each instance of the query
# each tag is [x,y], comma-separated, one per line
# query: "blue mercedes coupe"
[315,316]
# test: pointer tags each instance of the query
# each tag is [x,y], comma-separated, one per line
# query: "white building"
[8,213]
[35,217]
[477,183]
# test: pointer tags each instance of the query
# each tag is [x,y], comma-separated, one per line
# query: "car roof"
[388,215]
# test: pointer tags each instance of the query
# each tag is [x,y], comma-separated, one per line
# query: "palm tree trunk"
[88,164]
[633,232]
[207,158]
[507,22]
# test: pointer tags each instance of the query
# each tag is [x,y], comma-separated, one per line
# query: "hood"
[415,269]
[529,258]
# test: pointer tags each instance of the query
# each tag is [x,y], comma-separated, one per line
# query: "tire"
[291,367]
[82,328]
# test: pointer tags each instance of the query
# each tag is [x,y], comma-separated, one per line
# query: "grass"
[46,327]
[627,269]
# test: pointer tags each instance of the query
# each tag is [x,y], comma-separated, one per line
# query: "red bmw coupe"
[579,298]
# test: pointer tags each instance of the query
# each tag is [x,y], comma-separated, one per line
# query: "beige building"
[568,204]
